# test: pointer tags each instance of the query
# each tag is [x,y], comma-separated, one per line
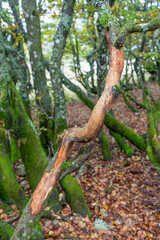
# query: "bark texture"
[43,99]
[55,66]
[74,196]
[85,134]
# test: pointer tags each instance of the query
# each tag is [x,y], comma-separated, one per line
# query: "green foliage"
[66,164]
[6,230]
[104,16]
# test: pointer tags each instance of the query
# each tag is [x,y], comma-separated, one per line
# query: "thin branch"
[133,28]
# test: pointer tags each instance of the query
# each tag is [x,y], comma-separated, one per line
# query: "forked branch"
[85,134]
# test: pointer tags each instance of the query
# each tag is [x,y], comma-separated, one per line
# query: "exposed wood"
[85,134]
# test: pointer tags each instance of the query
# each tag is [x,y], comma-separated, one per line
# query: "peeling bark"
[85,134]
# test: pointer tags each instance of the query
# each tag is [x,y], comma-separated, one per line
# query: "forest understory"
[123,194]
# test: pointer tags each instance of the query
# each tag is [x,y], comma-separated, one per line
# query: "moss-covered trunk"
[10,183]
[14,119]
[6,230]
[60,38]
[106,151]
[43,99]
[121,141]
[32,153]
[153,144]
[28,222]
[74,196]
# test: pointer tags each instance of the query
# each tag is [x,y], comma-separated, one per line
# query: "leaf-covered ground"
[123,195]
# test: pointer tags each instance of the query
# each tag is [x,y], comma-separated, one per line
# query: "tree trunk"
[55,66]
[110,122]
[153,144]
[85,134]
[43,99]
[121,141]
[74,196]
[106,151]
[10,183]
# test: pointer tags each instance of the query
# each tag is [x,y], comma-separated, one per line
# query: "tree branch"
[85,134]
[132,28]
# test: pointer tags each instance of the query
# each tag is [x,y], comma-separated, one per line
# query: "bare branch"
[85,134]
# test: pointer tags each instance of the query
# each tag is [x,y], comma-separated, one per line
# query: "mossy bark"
[3,193]
[116,126]
[10,183]
[121,141]
[128,103]
[14,117]
[15,152]
[101,59]
[54,201]
[43,100]
[153,148]
[74,196]
[106,151]
[28,222]
[6,230]
[33,155]
[60,38]
[20,75]
[26,225]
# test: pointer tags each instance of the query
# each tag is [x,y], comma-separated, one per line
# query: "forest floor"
[123,194]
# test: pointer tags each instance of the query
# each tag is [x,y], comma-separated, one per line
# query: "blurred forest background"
[54,59]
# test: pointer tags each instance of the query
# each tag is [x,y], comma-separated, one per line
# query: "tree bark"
[9,180]
[133,28]
[55,66]
[153,144]
[85,134]
[74,195]
[110,122]
[43,99]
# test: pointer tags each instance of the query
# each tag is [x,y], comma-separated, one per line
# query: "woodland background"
[54,59]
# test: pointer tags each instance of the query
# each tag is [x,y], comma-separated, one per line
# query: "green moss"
[122,144]
[66,164]
[32,153]
[61,125]
[54,201]
[107,155]
[105,16]
[128,103]
[6,207]
[15,153]
[150,154]
[6,230]
[116,88]
[124,131]
[10,183]
[152,137]
[74,196]
[3,193]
